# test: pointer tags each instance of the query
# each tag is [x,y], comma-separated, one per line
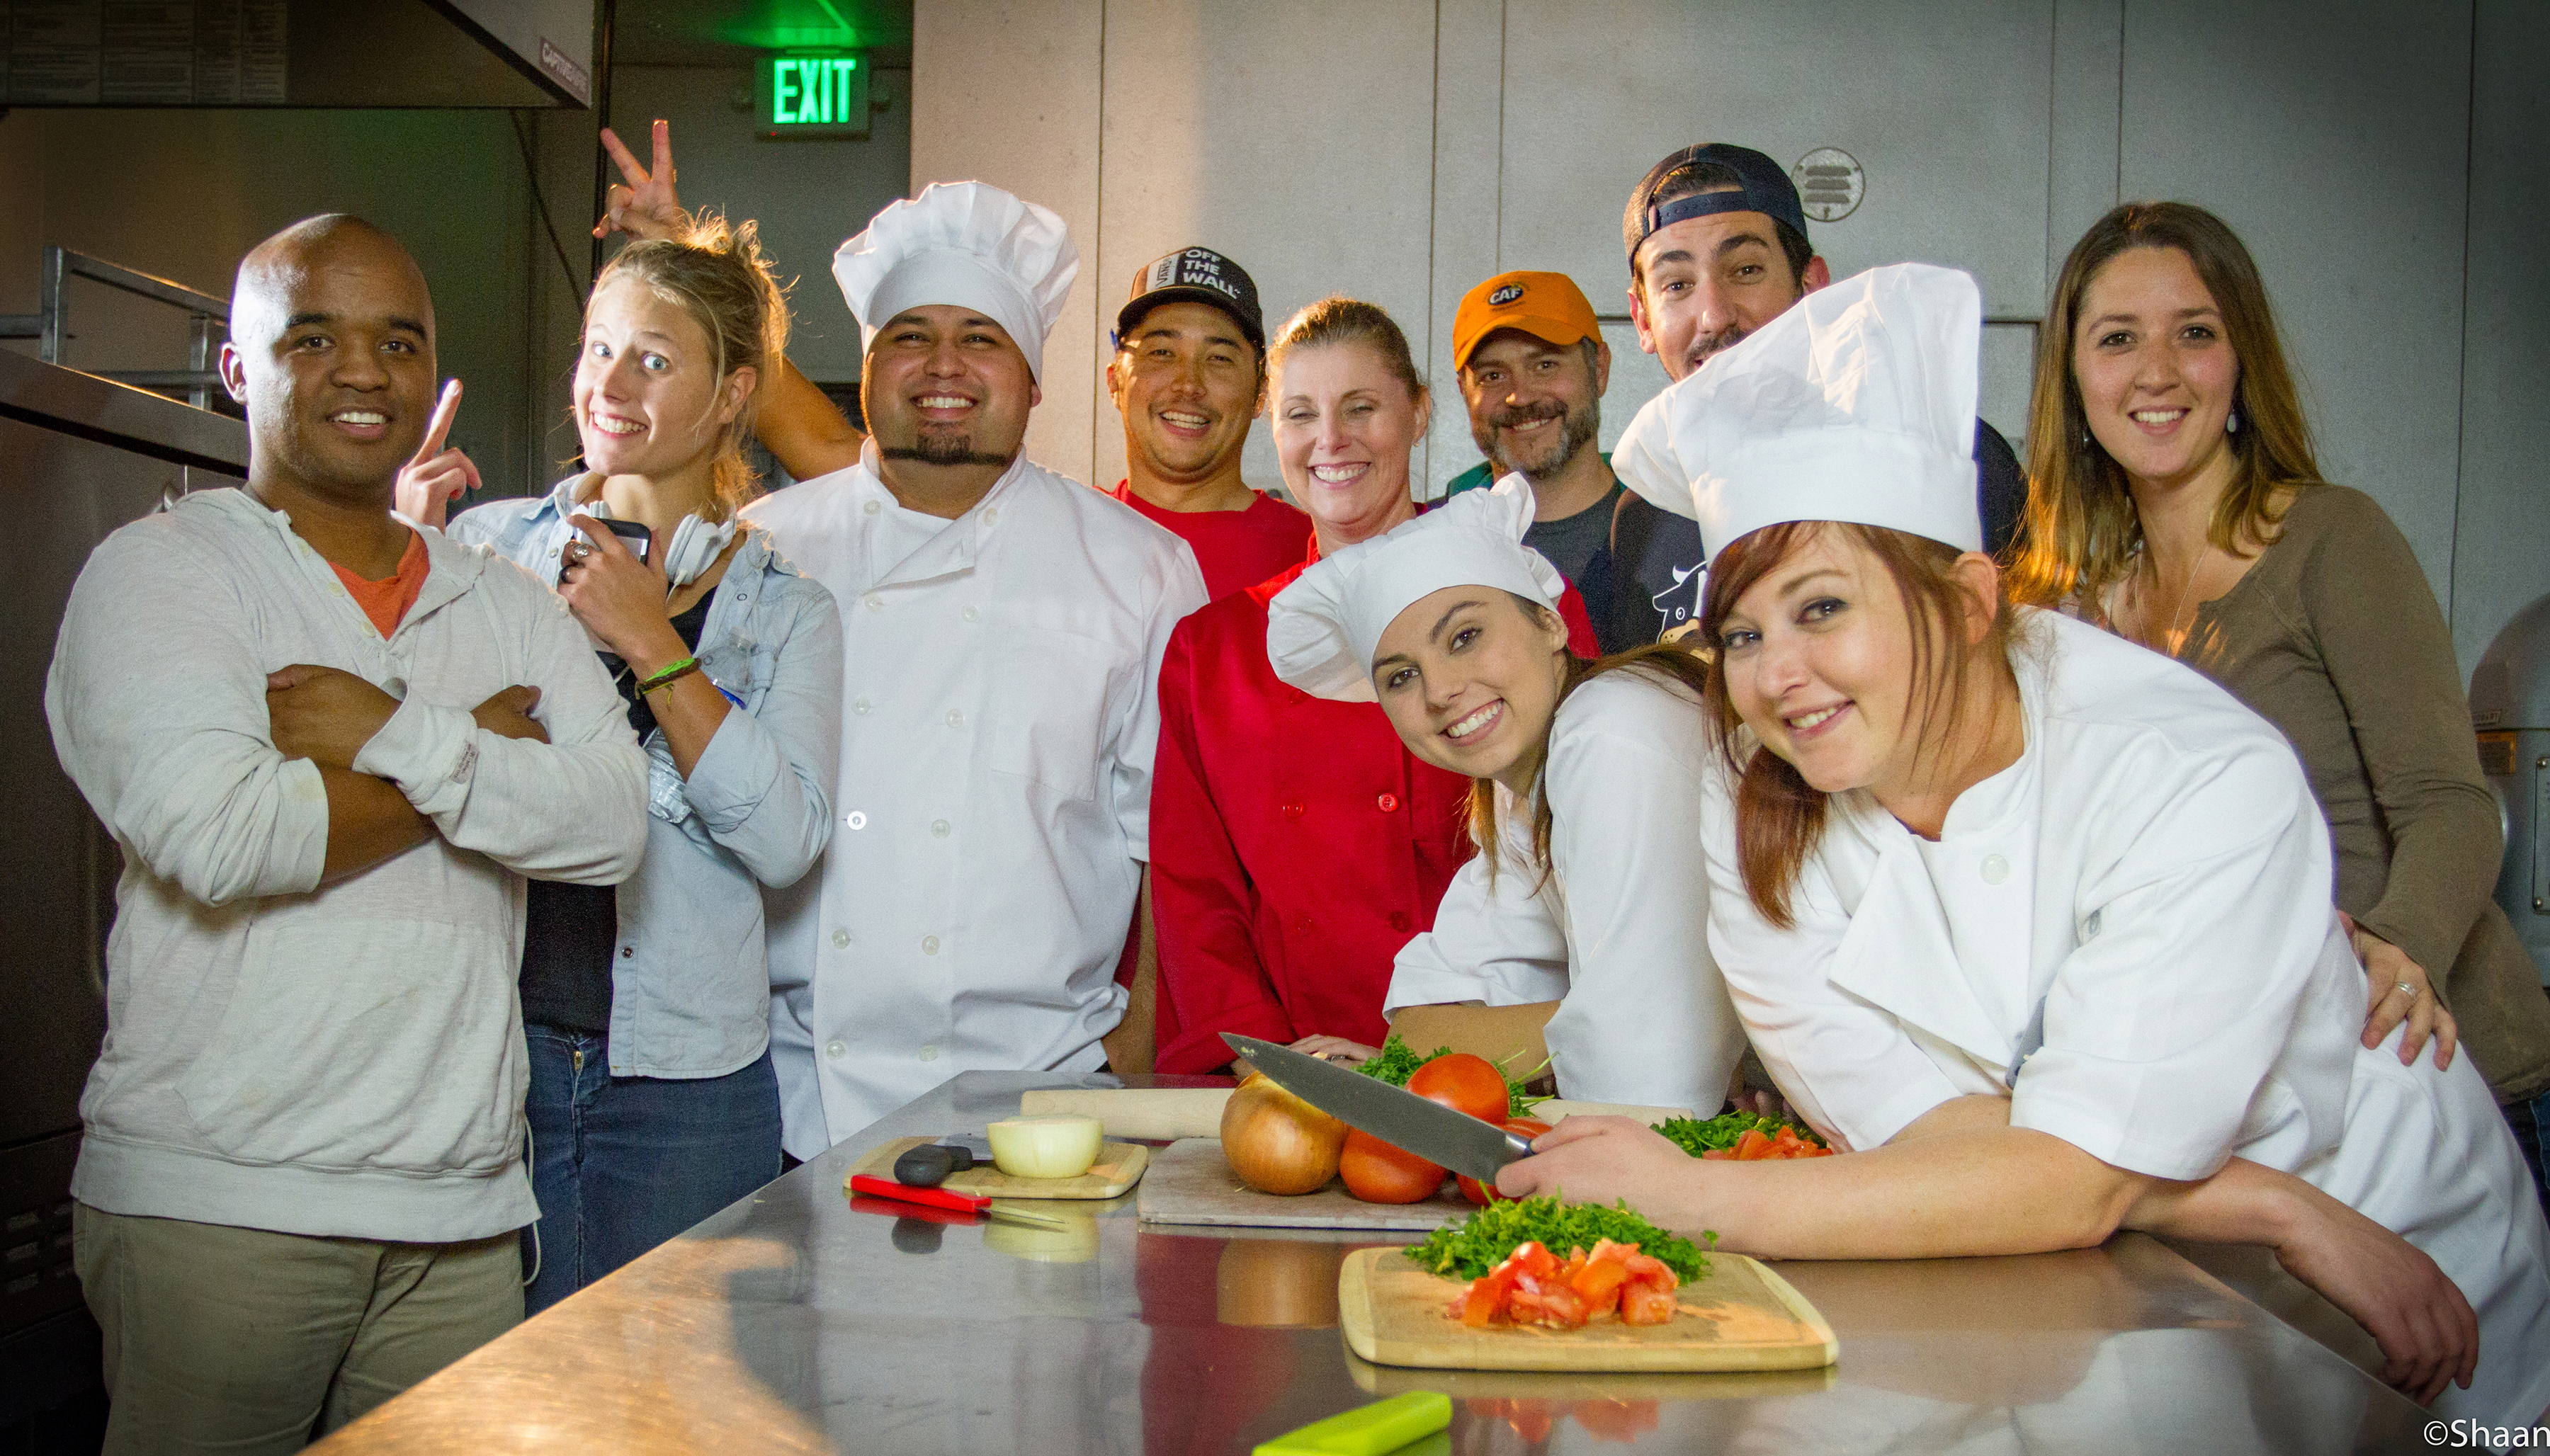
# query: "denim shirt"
[690,985]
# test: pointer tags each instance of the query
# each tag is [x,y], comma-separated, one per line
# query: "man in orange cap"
[1533,367]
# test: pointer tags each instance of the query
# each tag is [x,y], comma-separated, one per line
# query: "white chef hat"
[1321,631]
[1857,404]
[967,243]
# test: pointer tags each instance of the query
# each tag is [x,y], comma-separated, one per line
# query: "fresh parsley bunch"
[1399,1061]
[1480,1242]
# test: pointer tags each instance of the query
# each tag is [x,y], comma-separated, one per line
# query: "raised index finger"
[439,429]
[626,161]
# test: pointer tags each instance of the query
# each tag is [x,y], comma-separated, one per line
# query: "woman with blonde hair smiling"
[1295,843]
[2032,921]
[2175,499]
[647,1006]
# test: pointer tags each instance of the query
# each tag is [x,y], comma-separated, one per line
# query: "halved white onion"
[1046,1147]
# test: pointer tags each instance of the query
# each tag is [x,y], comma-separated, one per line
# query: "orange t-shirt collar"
[386,603]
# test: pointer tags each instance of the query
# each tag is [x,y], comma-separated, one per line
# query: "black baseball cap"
[1762,186]
[1195,275]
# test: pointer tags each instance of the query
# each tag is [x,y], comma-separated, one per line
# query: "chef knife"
[1401,1118]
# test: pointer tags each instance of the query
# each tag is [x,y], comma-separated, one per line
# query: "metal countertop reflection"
[803,1320]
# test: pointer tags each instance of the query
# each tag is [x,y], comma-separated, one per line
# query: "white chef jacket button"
[840,939]
[875,602]
[858,704]
[969,614]
[956,718]
[938,829]
[991,517]
[870,508]
[835,1050]
[929,1054]
[856,818]
[929,945]
[1995,869]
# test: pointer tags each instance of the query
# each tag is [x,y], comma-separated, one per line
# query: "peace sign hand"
[435,477]
[644,206]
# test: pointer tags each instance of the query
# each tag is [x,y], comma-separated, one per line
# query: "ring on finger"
[2409,987]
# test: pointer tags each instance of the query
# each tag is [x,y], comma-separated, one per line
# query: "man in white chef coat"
[1003,629]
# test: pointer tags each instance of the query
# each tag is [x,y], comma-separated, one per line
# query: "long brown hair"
[1779,816]
[2083,534]
[1663,661]
[717,274]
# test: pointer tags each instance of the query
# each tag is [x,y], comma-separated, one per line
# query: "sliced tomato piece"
[1652,1272]
[1599,1283]
[1643,1304]
[1753,1146]
[1548,1304]
[1530,1258]
[1485,1299]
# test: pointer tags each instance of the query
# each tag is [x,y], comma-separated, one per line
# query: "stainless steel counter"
[801,1320]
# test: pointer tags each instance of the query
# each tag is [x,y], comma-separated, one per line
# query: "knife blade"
[1396,1115]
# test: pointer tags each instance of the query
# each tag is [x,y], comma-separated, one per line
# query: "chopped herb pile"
[1726,1129]
[1470,1248]
[1399,1061]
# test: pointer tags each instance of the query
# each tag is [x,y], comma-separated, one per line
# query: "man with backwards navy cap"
[1718,248]
[1189,374]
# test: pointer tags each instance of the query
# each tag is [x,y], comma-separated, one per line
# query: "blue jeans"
[2531,1124]
[621,1164]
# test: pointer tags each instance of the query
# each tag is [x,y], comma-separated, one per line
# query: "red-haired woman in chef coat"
[1296,844]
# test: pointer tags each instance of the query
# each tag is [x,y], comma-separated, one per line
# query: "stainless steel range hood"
[409,53]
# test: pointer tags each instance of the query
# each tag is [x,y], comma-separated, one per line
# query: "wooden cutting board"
[1118,1167]
[1191,1183]
[1739,1316]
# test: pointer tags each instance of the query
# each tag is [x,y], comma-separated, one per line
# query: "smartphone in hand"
[634,534]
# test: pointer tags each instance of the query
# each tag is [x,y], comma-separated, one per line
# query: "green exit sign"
[811,95]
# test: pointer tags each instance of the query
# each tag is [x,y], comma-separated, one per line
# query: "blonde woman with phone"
[647,1007]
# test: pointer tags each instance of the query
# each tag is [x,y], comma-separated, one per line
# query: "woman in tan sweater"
[2174,497]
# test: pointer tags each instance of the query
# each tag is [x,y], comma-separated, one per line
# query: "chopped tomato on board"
[1533,1287]
[1758,1146]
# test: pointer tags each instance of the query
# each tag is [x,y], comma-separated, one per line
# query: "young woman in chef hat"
[1586,779]
[2034,920]
[647,1005]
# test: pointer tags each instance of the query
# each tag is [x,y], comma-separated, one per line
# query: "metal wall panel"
[1007,91]
[1297,139]
[2501,547]
[2334,139]
[1945,106]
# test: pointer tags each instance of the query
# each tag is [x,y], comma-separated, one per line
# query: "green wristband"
[672,671]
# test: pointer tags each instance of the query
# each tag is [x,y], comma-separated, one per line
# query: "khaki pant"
[245,1341]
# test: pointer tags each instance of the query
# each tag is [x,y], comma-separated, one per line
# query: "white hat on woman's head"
[1857,404]
[965,243]
[1321,631]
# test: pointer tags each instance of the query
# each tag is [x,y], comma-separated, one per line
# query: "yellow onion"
[1276,1142]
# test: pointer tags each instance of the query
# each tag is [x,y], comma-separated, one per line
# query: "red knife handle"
[936,1198]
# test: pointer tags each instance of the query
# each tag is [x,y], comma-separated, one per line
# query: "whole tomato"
[1484,1194]
[1380,1173]
[1464,1083]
